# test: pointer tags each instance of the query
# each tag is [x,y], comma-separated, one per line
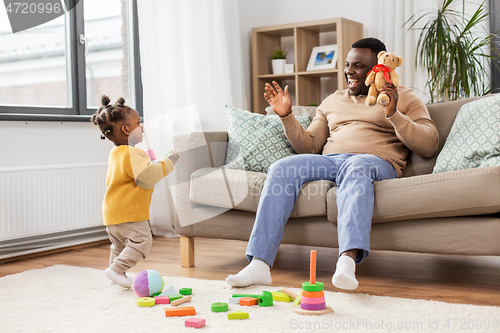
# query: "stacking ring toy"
[307,286]
[185,291]
[145,301]
[220,307]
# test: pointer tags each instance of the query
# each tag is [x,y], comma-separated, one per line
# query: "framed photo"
[323,57]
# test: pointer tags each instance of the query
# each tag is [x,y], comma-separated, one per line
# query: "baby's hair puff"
[110,117]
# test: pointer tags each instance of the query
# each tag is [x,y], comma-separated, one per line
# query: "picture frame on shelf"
[323,57]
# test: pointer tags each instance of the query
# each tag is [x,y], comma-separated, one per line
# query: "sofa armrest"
[198,150]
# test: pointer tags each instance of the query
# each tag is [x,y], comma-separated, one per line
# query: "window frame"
[79,112]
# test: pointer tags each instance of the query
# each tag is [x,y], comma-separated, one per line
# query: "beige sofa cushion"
[211,186]
[456,193]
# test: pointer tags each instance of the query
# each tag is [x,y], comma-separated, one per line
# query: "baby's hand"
[173,156]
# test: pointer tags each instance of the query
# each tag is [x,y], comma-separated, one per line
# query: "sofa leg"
[187,251]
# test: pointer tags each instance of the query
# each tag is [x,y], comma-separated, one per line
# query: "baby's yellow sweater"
[129,184]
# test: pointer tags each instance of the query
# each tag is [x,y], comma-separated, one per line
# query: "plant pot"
[278,65]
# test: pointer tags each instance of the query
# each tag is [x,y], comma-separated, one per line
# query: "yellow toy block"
[278,296]
[297,300]
[238,315]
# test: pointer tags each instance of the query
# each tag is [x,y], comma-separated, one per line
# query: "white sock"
[119,279]
[344,277]
[113,282]
[256,272]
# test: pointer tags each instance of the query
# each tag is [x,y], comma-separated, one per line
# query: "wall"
[51,143]
[47,143]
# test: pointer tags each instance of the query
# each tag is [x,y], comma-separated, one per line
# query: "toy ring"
[145,301]
[220,307]
[307,286]
[185,291]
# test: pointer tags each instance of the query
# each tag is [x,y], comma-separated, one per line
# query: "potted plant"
[279,60]
[451,54]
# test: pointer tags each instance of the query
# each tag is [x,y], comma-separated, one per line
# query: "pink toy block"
[309,300]
[195,322]
[162,300]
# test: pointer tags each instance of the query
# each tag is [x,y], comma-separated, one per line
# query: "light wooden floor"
[454,279]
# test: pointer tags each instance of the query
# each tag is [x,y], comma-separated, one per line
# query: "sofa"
[455,212]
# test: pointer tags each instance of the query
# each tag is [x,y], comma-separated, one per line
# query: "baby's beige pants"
[130,243]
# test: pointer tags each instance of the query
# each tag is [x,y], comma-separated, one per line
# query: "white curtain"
[403,42]
[191,67]
[400,40]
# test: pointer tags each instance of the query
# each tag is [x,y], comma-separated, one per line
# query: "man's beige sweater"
[345,124]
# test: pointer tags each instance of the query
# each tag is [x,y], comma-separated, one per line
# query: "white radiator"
[48,207]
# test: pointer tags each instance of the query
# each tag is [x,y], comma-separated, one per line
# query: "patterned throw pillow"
[474,139]
[256,141]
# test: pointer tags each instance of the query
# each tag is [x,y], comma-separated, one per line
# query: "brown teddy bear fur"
[376,80]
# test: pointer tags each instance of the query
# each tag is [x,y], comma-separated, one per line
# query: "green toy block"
[174,297]
[238,315]
[265,298]
[246,295]
[219,307]
[278,296]
[185,291]
[307,286]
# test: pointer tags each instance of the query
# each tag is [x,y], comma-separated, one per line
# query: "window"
[60,69]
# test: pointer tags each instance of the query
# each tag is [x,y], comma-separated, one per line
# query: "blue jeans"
[354,175]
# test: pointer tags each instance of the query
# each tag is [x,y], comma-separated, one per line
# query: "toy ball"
[147,283]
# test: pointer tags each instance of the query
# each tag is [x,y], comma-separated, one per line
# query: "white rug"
[74,299]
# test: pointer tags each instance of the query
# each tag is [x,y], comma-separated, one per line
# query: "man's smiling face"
[358,63]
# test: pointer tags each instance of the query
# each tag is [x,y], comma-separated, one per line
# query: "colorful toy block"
[185,291]
[309,300]
[281,297]
[169,291]
[195,322]
[145,301]
[219,307]
[246,295]
[162,300]
[174,297]
[235,300]
[181,300]
[308,286]
[238,315]
[179,312]
[313,307]
[265,298]
[297,299]
[313,294]
[249,301]
[289,293]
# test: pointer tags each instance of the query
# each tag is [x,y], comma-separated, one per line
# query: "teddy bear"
[379,75]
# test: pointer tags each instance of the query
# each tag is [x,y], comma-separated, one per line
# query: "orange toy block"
[179,312]
[313,294]
[249,301]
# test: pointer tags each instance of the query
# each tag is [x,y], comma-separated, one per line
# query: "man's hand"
[392,91]
[279,100]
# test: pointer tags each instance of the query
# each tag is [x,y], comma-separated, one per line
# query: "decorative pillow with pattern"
[255,141]
[474,139]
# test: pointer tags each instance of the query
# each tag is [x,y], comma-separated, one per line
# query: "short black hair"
[371,43]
